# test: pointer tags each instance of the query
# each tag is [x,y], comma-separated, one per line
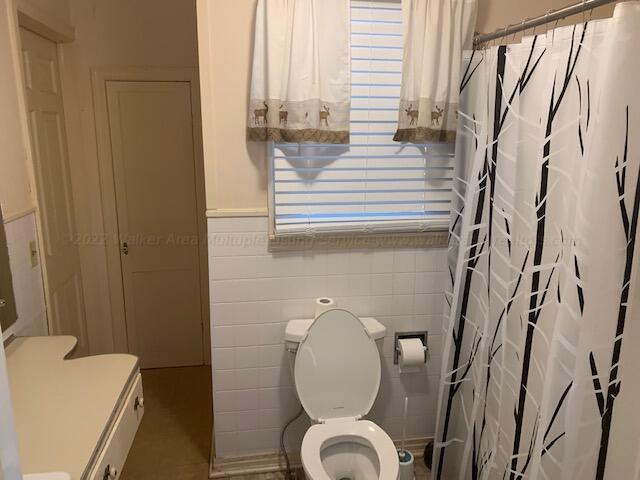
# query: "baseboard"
[230,467]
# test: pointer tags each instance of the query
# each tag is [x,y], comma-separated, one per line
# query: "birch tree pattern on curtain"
[541,254]
[301,78]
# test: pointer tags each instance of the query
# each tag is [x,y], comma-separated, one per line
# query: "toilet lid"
[337,369]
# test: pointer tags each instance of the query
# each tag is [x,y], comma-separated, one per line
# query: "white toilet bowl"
[357,450]
[337,376]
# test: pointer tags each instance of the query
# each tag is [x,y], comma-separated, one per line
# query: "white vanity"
[78,416]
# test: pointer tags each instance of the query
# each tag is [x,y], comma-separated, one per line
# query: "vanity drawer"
[114,453]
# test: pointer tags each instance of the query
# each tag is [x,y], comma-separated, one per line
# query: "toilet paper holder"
[423,335]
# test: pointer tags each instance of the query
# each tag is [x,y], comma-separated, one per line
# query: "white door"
[61,260]
[152,140]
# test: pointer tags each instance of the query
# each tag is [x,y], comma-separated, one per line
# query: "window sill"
[359,241]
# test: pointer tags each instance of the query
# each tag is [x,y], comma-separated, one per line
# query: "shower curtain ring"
[546,21]
[553,33]
[522,29]
[547,14]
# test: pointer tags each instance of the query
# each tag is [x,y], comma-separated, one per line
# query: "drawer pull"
[110,472]
[139,403]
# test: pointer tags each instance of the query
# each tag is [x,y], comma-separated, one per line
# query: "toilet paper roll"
[412,355]
[323,304]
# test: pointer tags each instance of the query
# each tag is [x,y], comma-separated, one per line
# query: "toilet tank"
[296,331]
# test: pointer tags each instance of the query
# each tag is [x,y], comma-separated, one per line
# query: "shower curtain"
[541,253]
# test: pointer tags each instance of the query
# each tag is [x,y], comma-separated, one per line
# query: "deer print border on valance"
[435,34]
[301,82]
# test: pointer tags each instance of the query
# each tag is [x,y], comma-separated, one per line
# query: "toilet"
[337,376]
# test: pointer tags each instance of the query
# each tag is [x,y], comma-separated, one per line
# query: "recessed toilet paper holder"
[421,334]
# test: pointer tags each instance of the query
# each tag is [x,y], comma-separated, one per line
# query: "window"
[373,184]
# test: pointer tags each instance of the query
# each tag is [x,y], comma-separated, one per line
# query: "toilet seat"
[364,432]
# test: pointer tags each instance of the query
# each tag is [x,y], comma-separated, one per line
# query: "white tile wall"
[27,280]
[253,295]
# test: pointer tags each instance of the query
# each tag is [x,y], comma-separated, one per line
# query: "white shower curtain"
[541,254]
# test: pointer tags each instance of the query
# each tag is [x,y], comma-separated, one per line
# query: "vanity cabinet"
[74,415]
[114,453]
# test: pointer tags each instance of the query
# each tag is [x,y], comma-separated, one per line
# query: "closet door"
[152,140]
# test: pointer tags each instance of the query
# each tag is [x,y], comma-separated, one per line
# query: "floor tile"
[174,438]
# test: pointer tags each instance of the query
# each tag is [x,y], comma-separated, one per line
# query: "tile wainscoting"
[27,280]
[255,292]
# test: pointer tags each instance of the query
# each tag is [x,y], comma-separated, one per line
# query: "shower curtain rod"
[550,16]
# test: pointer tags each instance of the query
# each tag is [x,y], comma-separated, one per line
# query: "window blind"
[372,184]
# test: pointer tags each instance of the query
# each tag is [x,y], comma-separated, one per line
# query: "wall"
[112,33]
[494,14]
[254,293]
[235,170]
[57,10]
[27,280]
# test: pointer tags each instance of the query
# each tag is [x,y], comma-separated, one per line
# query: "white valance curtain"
[301,83]
[436,32]
[542,254]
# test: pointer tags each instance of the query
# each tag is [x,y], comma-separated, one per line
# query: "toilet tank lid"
[297,330]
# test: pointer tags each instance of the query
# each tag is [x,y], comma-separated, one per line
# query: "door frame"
[99,79]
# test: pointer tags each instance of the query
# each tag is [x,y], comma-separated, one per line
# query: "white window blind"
[373,184]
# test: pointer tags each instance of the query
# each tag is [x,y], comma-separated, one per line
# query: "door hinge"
[124,248]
